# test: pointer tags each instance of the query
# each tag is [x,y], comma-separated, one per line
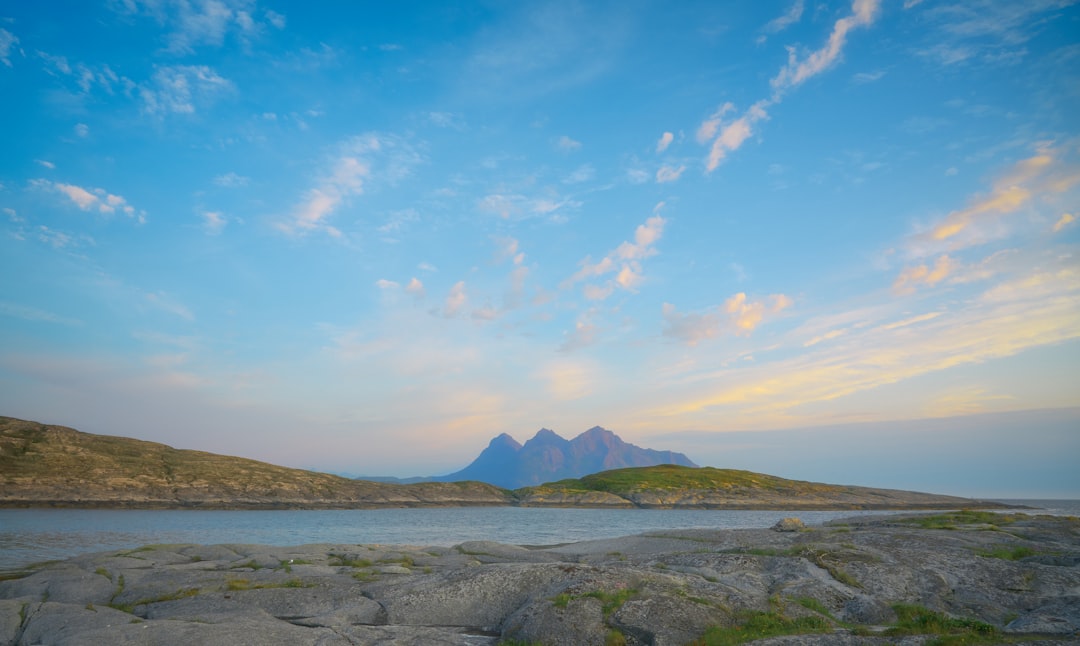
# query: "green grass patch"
[404,561]
[365,576]
[953,520]
[612,601]
[614,638]
[753,625]
[1007,553]
[917,620]
[244,584]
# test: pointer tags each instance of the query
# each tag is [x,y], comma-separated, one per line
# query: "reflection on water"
[32,535]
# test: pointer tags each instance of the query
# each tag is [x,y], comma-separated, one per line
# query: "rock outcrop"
[872,580]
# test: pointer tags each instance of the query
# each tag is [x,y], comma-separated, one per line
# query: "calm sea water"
[33,535]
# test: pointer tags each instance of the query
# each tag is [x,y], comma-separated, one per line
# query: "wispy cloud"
[738,315]
[664,141]
[669,174]
[167,303]
[231,180]
[28,313]
[567,144]
[1065,220]
[213,222]
[179,89]
[1043,176]
[782,22]
[1038,309]
[912,277]
[204,23]
[799,69]
[624,261]
[8,41]
[357,163]
[728,135]
[455,300]
[94,199]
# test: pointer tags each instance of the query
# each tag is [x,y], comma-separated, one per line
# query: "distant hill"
[548,456]
[671,487]
[42,465]
[56,466]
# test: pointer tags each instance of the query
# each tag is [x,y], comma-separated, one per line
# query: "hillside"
[549,456]
[672,486]
[56,466]
[44,465]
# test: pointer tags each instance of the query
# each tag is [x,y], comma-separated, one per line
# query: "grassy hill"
[672,486]
[55,466]
[59,466]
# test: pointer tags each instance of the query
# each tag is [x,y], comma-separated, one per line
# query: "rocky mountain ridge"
[547,456]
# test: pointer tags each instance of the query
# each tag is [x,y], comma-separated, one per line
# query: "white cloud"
[1065,220]
[358,162]
[197,23]
[669,174]
[624,261]
[798,71]
[728,137]
[567,144]
[868,77]
[737,315]
[46,164]
[231,180]
[455,300]
[96,199]
[82,130]
[7,42]
[177,89]
[583,173]
[664,141]
[386,284]
[213,222]
[731,135]
[416,288]
[274,18]
[790,17]
[911,277]
[166,303]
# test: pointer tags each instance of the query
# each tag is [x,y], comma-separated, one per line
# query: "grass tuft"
[754,625]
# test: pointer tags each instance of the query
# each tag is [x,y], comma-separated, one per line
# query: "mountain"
[548,456]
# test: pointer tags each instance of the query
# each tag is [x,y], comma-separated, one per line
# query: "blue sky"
[368,237]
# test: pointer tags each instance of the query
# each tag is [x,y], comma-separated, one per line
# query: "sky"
[833,240]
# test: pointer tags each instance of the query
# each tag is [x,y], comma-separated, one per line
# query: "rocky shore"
[983,577]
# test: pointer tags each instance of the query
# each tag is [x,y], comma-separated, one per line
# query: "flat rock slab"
[1018,574]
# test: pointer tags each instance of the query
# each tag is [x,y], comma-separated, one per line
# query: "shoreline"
[853,580]
[341,506]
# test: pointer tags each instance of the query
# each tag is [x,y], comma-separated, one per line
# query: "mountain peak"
[504,440]
[546,436]
[548,456]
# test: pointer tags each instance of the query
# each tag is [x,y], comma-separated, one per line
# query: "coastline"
[853,580]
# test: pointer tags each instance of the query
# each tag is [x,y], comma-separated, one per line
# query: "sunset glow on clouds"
[370,238]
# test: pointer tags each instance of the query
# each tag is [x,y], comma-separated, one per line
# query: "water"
[32,535]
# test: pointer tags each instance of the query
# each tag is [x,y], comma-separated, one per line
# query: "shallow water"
[33,535]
